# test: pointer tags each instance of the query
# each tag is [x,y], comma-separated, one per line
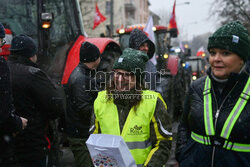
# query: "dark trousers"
[9,164]
[80,151]
[37,163]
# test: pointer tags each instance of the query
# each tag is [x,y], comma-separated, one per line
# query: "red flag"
[99,18]
[172,21]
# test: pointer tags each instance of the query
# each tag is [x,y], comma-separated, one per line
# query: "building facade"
[125,12]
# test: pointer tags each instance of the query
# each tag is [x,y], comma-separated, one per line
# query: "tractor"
[57,27]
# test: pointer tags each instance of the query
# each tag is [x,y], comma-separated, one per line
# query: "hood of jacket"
[137,38]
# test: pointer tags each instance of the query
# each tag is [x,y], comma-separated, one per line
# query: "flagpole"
[111,17]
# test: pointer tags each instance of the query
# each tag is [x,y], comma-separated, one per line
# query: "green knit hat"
[131,60]
[233,37]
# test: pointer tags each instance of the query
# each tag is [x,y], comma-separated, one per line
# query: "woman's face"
[124,81]
[144,47]
[224,62]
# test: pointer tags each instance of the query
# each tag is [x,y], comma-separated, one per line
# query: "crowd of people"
[214,127]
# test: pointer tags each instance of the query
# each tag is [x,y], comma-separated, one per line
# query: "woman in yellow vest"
[215,126]
[138,115]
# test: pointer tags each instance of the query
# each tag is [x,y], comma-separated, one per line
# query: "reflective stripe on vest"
[136,130]
[235,113]
[200,139]
[139,145]
[208,110]
[227,145]
[229,123]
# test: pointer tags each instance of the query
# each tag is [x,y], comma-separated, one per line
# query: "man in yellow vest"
[125,108]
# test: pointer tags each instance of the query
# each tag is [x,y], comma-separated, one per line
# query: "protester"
[138,40]
[138,115]
[9,122]
[81,92]
[215,129]
[2,35]
[35,98]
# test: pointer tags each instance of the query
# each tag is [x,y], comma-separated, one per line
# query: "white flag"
[181,46]
[149,30]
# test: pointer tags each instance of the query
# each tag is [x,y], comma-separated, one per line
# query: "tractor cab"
[196,67]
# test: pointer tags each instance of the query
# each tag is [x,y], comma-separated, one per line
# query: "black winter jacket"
[9,122]
[81,92]
[191,153]
[37,99]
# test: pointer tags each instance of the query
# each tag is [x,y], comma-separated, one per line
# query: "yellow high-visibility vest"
[136,130]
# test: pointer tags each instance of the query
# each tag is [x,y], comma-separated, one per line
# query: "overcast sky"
[193,19]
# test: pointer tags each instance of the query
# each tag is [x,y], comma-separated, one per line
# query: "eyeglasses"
[125,75]
[2,42]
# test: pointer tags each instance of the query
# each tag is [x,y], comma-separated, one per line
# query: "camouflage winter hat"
[233,37]
[131,60]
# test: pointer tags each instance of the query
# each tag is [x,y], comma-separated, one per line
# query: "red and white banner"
[4,51]
[99,18]
[200,51]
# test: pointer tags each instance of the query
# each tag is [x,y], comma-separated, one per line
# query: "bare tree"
[199,41]
[164,16]
[229,10]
